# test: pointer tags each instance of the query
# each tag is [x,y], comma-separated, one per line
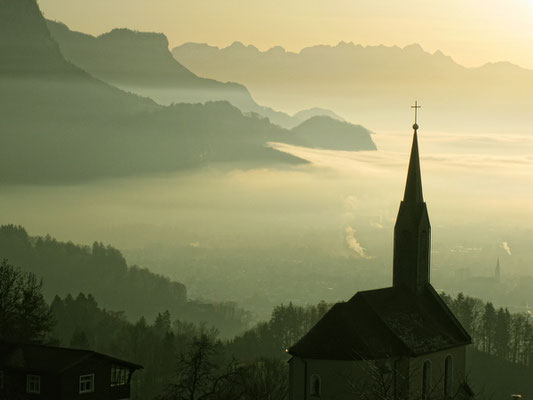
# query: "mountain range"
[141,62]
[375,84]
[59,123]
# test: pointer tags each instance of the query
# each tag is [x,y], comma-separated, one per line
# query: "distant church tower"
[497,272]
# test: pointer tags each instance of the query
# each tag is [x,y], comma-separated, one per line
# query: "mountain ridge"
[83,128]
[140,62]
[367,83]
[278,49]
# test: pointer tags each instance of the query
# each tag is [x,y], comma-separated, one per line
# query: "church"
[399,342]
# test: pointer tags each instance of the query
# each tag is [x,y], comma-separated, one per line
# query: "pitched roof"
[51,359]
[383,323]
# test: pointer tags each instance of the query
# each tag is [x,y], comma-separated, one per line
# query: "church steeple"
[412,232]
[413,186]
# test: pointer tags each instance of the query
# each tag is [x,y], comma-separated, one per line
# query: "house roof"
[383,323]
[50,359]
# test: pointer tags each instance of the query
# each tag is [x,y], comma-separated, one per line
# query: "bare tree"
[24,315]
[199,375]
[265,379]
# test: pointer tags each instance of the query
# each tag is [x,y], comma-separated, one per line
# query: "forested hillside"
[102,271]
[81,323]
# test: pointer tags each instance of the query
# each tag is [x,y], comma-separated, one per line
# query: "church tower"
[405,331]
[412,232]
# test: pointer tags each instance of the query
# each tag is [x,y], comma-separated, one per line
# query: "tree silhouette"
[200,376]
[24,315]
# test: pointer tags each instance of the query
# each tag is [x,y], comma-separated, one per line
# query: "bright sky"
[473,32]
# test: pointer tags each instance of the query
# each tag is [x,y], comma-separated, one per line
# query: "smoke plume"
[354,244]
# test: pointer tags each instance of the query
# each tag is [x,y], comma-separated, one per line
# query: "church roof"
[383,323]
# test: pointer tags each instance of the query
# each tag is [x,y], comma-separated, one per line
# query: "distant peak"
[276,50]
[501,65]
[414,47]
[128,34]
[237,44]
[342,43]
[242,47]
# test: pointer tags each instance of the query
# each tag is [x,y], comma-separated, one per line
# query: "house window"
[119,376]
[316,386]
[87,383]
[33,384]
[448,376]
[426,380]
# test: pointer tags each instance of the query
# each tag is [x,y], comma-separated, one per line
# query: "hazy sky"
[471,31]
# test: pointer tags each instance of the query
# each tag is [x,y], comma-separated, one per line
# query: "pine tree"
[488,322]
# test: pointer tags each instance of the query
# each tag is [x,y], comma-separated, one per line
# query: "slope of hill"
[317,132]
[140,62]
[314,112]
[59,123]
[494,378]
[25,43]
[102,271]
[368,83]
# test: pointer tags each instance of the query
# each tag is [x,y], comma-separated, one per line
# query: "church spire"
[413,187]
[412,232]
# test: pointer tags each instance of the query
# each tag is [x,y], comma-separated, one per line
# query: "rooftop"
[383,323]
[37,357]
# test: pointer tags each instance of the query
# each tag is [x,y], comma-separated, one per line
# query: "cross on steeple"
[416,107]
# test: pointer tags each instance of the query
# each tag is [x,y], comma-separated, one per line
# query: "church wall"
[339,379]
[296,378]
[437,360]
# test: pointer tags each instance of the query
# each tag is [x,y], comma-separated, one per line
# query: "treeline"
[287,324]
[183,360]
[250,366]
[494,331]
[171,352]
[103,271]
[498,332]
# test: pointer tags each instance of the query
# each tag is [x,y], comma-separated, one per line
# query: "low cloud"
[354,244]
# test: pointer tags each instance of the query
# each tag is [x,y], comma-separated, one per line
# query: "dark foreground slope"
[61,124]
